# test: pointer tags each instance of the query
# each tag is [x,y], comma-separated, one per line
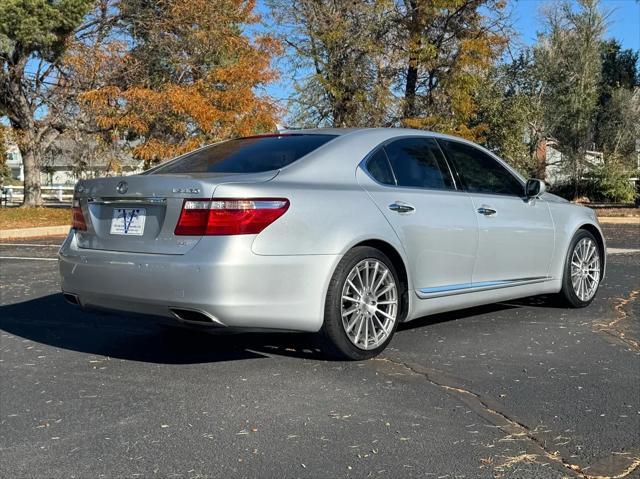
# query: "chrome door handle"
[483,210]
[400,207]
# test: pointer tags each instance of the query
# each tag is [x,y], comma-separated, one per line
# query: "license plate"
[128,221]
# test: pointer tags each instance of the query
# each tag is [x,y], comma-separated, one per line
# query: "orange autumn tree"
[179,74]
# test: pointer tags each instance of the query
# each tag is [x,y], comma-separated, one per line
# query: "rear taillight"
[77,218]
[227,216]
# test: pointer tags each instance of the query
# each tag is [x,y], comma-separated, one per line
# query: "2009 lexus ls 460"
[338,231]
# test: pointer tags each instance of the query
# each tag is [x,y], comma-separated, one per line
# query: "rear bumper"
[220,276]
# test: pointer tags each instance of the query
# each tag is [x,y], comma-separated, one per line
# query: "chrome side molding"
[451,289]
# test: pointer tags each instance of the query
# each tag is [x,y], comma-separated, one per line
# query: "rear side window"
[418,162]
[379,168]
[479,172]
[247,155]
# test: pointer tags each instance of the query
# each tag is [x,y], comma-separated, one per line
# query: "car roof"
[319,131]
[346,131]
[365,140]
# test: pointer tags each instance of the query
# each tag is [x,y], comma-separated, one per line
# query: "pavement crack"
[614,327]
[632,467]
[504,422]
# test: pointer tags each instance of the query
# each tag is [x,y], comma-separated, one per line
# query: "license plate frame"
[128,221]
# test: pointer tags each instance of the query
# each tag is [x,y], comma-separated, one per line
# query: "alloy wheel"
[369,305]
[585,269]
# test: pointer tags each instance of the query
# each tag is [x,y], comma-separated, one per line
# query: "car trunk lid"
[139,213]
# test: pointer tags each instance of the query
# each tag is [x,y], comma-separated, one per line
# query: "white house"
[556,173]
[68,160]
[14,162]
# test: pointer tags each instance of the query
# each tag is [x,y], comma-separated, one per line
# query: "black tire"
[335,341]
[567,294]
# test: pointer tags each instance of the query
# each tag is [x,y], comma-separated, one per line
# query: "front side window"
[418,163]
[479,172]
[247,155]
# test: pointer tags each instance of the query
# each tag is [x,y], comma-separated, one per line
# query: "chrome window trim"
[523,199]
[453,289]
[454,175]
[491,155]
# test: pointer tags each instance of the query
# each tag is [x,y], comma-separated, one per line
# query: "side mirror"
[534,188]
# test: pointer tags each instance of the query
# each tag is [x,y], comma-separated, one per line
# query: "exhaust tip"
[71,298]
[194,316]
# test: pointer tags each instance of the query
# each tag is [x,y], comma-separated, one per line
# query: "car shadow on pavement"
[454,315]
[542,301]
[51,320]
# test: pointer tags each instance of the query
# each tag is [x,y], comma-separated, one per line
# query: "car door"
[516,234]
[410,182]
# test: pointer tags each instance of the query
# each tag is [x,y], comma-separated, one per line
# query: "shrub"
[610,184]
[604,184]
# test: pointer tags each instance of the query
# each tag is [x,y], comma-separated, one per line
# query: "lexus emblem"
[122,187]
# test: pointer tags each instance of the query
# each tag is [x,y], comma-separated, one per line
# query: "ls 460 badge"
[189,191]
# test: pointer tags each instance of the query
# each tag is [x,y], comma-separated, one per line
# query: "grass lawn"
[633,212]
[30,217]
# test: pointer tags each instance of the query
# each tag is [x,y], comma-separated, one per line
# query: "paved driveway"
[525,389]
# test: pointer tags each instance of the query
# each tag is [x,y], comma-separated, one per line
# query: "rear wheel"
[582,271]
[362,306]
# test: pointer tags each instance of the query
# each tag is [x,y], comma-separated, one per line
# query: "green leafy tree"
[569,64]
[510,110]
[617,124]
[619,67]
[33,38]
[415,63]
[340,51]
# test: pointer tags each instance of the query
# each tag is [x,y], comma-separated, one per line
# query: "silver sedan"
[337,231]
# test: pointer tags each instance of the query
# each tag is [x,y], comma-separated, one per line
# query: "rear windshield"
[247,155]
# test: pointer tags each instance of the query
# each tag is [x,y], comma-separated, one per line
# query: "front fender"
[568,219]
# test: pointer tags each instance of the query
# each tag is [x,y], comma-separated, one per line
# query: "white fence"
[50,194]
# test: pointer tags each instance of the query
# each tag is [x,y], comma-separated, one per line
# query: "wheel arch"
[399,264]
[599,236]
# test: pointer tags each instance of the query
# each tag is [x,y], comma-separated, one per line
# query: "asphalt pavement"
[526,389]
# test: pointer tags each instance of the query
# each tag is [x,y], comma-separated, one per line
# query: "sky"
[623,20]
[623,24]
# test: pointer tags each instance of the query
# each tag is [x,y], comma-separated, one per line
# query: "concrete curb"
[619,220]
[43,231]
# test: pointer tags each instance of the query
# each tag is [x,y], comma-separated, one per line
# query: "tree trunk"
[31,161]
[576,176]
[415,42]
[19,107]
[410,89]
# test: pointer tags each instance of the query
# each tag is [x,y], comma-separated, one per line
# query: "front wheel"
[582,271]
[362,306]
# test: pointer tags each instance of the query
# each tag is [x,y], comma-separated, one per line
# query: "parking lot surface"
[525,389]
